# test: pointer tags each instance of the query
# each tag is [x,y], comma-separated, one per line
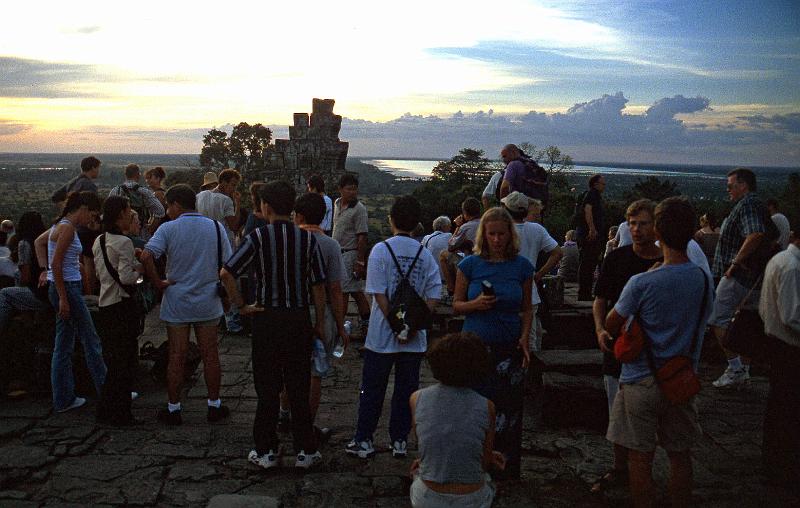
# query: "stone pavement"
[67,459]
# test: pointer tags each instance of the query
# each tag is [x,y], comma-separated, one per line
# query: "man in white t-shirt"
[222,205]
[436,242]
[623,236]
[533,239]
[385,347]
[490,192]
[316,184]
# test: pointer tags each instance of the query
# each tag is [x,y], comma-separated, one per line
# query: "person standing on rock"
[386,346]
[618,267]
[195,247]
[671,304]
[493,290]
[288,267]
[350,228]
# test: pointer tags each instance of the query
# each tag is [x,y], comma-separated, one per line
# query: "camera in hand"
[487,288]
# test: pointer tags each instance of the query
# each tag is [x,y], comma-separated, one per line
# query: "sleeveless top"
[451,429]
[72,258]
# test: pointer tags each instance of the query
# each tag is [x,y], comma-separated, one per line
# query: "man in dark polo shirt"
[618,267]
[287,263]
[590,233]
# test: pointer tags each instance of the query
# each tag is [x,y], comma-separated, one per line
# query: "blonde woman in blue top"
[66,295]
[501,316]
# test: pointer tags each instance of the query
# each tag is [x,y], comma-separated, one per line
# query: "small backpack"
[406,307]
[137,202]
[578,220]
[528,187]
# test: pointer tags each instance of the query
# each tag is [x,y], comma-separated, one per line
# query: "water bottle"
[338,347]
[319,356]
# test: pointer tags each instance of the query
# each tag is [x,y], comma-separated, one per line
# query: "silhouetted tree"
[652,188]
[468,167]
[243,149]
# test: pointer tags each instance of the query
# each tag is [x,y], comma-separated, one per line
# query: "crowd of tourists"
[288,267]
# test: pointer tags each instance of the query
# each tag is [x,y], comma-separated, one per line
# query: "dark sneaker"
[306,460]
[216,414]
[360,449]
[267,461]
[170,418]
[400,449]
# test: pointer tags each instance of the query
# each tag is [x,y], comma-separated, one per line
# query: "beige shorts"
[642,418]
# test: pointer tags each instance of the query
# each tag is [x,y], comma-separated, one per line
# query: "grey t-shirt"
[80,183]
[331,254]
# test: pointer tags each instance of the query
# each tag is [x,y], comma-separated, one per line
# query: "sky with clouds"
[712,82]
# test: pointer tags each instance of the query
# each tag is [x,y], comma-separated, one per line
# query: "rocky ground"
[68,459]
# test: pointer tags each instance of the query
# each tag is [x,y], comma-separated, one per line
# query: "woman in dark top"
[493,290]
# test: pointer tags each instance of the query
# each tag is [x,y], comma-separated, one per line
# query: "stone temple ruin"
[313,147]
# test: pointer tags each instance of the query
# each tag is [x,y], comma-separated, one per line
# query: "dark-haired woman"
[501,316]
[66,296]
[455,428]
[118,315]
[27,296]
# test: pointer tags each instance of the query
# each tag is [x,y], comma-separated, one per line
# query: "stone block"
[322,107]
[22,457]
[298,132]
[301,120]
[239,501]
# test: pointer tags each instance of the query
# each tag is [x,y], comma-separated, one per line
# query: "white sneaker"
[134,395]
[266,461]
[399,449]
[362,449]
[306,460]
[731,378]
[76,403]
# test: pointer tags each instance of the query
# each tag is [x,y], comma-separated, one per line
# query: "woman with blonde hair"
[493,291]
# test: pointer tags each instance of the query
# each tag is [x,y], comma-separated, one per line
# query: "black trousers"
[282,341]
[590,256]
[781,436]
[118,330]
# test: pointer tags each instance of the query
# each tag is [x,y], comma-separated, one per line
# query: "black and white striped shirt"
[287,263]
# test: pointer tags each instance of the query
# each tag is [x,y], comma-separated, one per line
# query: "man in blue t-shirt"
[671,302]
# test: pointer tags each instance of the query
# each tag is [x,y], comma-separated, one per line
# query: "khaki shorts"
[642,417]
[349,283]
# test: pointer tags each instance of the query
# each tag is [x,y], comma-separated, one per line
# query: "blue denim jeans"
[374,379]
[79,323]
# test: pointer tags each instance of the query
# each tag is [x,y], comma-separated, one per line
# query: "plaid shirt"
[744,220]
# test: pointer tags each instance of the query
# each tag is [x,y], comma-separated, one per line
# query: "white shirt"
[533,239]
[696,255]
[491,187]
[217,206]
[779,305]
[782,223]
[623,236]
[327,221]
[383,278]
[436,242]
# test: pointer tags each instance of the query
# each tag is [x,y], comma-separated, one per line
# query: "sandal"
[613,478]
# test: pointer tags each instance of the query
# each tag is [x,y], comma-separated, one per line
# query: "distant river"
[424,168]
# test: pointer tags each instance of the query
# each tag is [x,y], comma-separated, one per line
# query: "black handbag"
[745,334]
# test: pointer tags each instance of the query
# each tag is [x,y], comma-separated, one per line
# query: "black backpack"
[406,307]
[533,172]
[61,194]
[578,218]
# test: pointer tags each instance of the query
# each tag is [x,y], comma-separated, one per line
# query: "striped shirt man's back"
[286,261]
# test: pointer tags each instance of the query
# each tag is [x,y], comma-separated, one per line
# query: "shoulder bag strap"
[219,245]
[647,346]
[111,270]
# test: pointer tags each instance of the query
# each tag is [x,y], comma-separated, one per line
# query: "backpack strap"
[428,241]
[394,258]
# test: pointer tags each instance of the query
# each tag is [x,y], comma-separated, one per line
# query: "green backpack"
[137,202]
